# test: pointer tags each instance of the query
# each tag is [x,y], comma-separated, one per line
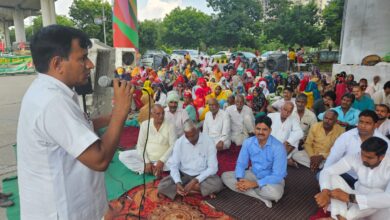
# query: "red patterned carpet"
[160,207]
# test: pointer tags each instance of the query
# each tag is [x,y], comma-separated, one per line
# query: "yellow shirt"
[291,55]
[319,143]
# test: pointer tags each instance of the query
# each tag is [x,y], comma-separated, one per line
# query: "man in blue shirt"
[348,116]
[265,179]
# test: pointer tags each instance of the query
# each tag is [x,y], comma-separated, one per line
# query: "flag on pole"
[125,24]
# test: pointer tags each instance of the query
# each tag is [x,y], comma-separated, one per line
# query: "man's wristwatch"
[352,198]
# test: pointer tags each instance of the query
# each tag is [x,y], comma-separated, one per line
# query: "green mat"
[118,180]
[11,185]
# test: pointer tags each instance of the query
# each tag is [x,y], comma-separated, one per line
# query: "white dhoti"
[239,138]
[347,210]
[132,160]
[226,143]
[303,158]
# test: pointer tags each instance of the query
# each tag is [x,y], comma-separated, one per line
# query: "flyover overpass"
[13,13]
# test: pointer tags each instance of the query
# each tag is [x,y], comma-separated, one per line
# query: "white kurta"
[372,188]
[52,132]
[279,103]
[380,97]
[159,146]
[307,120]
[199,160]
[178,119]
[218,128]
[348,143]
[242,123]
[289,130]
[384,128]
[163,100]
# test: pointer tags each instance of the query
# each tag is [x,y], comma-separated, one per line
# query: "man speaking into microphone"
[60,158]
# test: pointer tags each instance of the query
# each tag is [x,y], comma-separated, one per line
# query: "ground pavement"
[12,89]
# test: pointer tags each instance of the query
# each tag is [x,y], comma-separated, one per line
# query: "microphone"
[105,82]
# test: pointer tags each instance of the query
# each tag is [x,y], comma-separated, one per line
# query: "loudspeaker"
[277,62]
[85,89]
[125,57]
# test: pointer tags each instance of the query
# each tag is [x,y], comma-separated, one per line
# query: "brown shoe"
[6,203]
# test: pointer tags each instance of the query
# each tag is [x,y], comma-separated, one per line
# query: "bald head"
[157,107]
[286,110]
[288,105]
[213,105]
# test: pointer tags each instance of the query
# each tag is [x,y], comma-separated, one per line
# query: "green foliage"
[294,24]
[37,24]
[149,35]
[238,22]
[237,25]
[185,28]
[273,44]
[84,13]
[332,16]
[166,49]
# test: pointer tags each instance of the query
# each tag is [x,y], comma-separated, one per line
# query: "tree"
[333,16]
[185,28]
[149,34]
[84,12]
[37,24]
[295,24]
[238,23]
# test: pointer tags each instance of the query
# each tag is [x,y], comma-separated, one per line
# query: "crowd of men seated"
[337,127]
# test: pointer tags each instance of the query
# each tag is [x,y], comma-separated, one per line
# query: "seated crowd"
[338,128]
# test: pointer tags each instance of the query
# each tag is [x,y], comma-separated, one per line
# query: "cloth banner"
[16,64]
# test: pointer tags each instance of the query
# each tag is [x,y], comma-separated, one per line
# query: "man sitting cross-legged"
[193,166]
[286,129]
[350,141]
[217,125]
[161,139]
[241,120]
[265,179]
[320,139]
[372,189]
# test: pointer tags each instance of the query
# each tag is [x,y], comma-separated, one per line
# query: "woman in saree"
[259,102]
[189,106]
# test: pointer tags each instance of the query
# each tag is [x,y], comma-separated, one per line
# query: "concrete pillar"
[20,33]
[6,33]
[48,12]
[365,30]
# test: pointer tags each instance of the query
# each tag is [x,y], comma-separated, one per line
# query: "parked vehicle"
[245,57]
[220,54]
[148,57]
[195,55]
[265,56]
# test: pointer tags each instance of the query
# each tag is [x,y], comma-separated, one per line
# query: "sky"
[147,9]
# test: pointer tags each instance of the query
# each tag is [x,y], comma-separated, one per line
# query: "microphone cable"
[141,207]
